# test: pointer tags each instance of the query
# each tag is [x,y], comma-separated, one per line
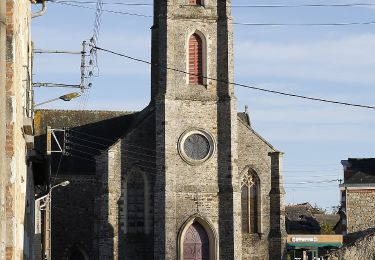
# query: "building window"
[195,2]
[196,60]
[135,204]
[250,202]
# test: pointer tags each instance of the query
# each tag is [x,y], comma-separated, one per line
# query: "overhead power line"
[306,24]
[234,23]
[103,10]
[104,3]
[234,6]
[238,84]
[312,182]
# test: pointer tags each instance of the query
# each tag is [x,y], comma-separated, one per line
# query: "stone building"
[185,178]
[362,248]
[358,195]
[16,140]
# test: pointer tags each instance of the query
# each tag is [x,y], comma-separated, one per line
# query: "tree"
[326,228]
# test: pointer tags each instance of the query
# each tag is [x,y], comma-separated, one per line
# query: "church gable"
[254,167]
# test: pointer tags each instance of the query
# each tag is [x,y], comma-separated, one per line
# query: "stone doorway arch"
[196,244]
[197,240]
[77,253]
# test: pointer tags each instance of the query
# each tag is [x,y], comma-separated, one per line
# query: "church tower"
[185,178]
[197,188]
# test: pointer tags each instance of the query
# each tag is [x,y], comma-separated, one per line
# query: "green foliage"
[326,229]
[317,210]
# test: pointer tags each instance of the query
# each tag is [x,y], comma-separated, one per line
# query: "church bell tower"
[197,190]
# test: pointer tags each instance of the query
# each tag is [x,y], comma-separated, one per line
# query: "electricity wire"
[79,157]
[93,61]
[323,100]
[152,156]
[57,170]
[312,182]
[310,176]
[129,157]
[110,140]
[233,6]
[104,10]
[234,23]
[102,150]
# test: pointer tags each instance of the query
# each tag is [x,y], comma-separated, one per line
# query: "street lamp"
[45,194]
[66,97]
[46,219]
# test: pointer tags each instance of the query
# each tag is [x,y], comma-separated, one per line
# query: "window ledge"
[197,85]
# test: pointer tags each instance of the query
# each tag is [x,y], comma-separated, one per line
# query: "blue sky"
[333,62]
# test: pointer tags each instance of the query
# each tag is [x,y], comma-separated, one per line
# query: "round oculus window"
[196,146]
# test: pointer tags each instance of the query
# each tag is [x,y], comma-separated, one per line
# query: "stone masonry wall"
[363,248]
[138,157]
[360,205]
[253,153]
[107,203]
[181,107]
[18,53]
[2,127]
[73,216]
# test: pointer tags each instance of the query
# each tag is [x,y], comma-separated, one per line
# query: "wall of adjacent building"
[359,208]
[2,127]
[18,181]
[363,248]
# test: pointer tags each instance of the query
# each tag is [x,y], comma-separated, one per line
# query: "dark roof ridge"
[142,115]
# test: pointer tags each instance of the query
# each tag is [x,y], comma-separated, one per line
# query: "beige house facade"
[16,133]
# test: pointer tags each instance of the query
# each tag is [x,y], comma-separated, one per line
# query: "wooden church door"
[196,243]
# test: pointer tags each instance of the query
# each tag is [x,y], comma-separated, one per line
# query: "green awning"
[312,244]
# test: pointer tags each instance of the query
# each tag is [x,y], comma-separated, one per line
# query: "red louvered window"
[195,2]
[195,60]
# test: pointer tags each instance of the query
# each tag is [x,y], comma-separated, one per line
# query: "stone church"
[185,178]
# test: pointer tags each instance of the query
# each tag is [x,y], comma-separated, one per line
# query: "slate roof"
[301,219]
[331,219]
[360,170]
[90,132]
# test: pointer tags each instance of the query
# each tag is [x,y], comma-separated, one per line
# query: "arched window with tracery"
[196,62]
[250,202]
[135,203]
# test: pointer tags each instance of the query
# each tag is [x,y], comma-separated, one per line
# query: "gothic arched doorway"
[77,253]
[196,245]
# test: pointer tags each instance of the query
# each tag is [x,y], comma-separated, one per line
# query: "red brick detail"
[9,17]
[9,141]
[9,200]
[195,60]
[9,78]
[9,253]
[195,2]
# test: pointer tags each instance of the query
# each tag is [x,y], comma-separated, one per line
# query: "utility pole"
[47,225]
[46,246]
[82,85]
